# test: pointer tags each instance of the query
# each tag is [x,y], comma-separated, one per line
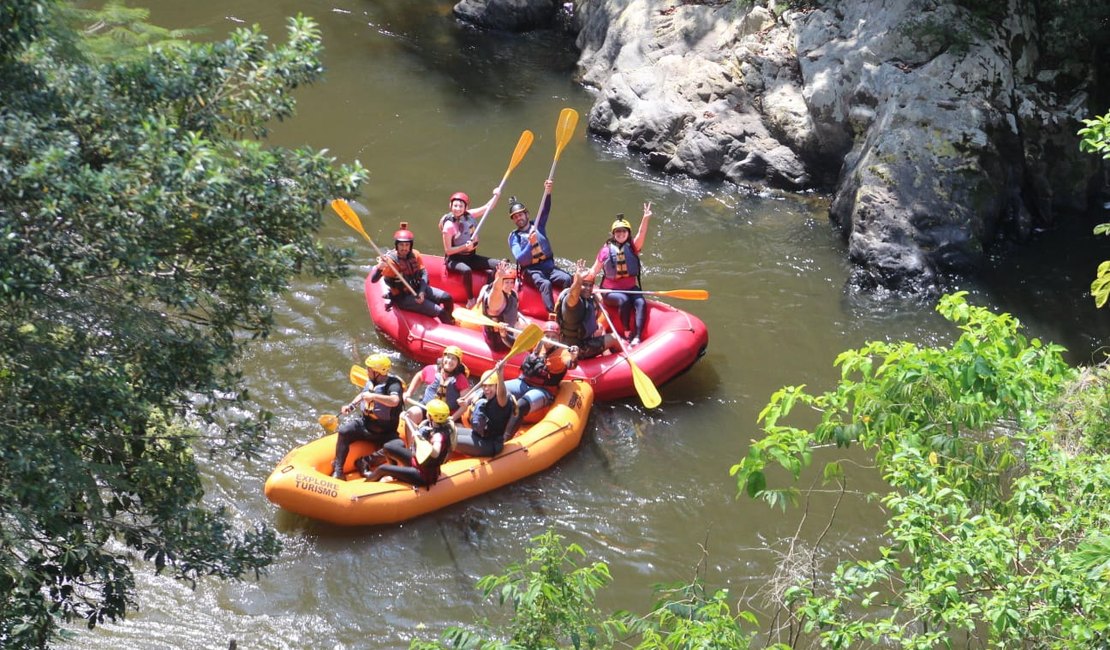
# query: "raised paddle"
[645,388]
[522,145]
[525,340]
[683,294]
[564,131]
[464,315]
[351,219]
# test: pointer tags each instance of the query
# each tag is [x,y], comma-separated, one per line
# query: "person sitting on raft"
[619,263]
[379,405]
[540,374]
[577,315]
[446,379]
[532,250]
[490,411]
[438,431]
[407,280]
[460,243]
[501,302]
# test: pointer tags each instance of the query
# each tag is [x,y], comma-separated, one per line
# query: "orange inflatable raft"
[301,482]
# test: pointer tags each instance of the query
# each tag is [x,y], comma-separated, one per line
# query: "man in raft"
[532,250]
[540,374]
[577,315]
[379,406]
[407,280]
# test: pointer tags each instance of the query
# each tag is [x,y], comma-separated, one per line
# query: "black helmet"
[515,206]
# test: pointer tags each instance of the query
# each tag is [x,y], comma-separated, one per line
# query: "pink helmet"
[460,196]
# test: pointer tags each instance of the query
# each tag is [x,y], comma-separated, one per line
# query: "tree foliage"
[553,602]
[997,532]
[1095,138]
[144,231]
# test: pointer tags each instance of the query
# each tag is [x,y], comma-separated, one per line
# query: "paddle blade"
[645,388]
[423,449]
[464,315]
[522,146]
[564,129]
[358,376]
[349,217]
[526,340]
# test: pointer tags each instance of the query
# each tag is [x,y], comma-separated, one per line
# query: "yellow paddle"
[421,448]
[525,340]
[522,145]
[683,294]
[358,376]
[564,130]
[471,316]
[645,388]
[343,209]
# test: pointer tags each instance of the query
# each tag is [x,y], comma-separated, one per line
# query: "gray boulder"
[508,15]
[937,133]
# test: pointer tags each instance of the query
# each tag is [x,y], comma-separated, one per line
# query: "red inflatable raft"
[671,342]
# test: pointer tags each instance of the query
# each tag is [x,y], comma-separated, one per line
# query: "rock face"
[937,131]
[508,15]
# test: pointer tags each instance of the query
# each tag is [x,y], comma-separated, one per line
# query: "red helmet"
[403,235]
[461,196]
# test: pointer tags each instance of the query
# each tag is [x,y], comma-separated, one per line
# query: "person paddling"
[379,405]
[540,374]
[439,431]
[490,412]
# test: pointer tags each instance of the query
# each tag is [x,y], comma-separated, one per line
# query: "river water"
[430,106]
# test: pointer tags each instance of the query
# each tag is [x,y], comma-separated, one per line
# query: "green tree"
[553,607]
[1095,138]
[144,232]
[997,534]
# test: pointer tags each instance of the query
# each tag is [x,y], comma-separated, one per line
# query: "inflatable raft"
[672,341]
[302,482]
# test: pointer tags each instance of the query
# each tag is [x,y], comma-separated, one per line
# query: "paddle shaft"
[684,294]
[522,146]
[564,130]
[471,316]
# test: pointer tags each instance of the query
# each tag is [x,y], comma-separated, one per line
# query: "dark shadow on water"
[484,66]
[1046,284]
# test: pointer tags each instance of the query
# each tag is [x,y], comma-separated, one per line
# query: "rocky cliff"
[937,130]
